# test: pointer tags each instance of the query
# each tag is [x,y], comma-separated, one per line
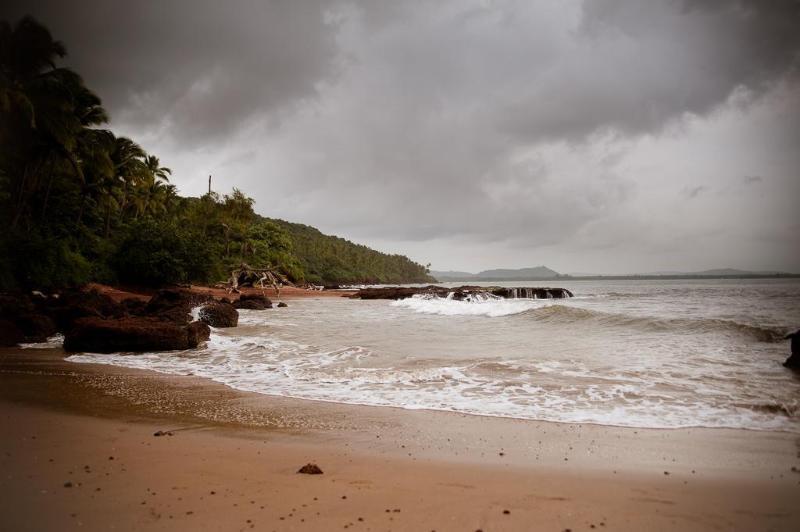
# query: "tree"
[44,110]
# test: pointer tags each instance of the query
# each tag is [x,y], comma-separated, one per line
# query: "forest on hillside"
[79,203]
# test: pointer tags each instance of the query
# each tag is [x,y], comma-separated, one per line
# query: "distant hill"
[522,274]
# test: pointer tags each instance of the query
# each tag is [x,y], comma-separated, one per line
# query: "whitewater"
[651,354]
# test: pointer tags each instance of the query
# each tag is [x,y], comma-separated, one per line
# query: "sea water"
[654,354]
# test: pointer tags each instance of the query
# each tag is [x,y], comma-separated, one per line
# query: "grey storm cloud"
[201,69]
[537,131]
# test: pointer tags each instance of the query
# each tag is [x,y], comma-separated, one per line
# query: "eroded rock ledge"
[462,292]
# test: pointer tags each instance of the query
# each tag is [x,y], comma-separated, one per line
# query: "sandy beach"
[78,451]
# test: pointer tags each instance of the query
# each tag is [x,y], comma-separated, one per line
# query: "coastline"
[442,470]
[287,292]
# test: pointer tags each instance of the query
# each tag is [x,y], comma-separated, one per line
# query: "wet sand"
[231,462]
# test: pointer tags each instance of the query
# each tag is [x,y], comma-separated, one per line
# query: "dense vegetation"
[330,259]
[80,204]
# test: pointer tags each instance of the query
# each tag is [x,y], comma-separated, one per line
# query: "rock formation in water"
[793,362]
[219,314]
[253,302]
[98,335]
[462,293]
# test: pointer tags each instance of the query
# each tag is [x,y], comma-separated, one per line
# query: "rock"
[36,327]
[71,306]
[160,433]
[99,335]
[28,317]
[462,293]
[134,306]
[219,314]
[793,362]
[399,292]
[198,332]
[253,302]
[15,304]
[174,304]
[282,305]
[10,334]
[310,469]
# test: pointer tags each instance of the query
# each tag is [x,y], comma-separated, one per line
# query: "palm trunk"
[47,193]
[20,199]
[108,221]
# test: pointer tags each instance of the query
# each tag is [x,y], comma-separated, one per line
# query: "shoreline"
[443,470]
[119,293]
[213,382]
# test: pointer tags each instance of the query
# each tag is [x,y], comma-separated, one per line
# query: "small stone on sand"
[310,469]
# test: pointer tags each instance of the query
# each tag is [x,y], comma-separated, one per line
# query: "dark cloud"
[198,69]
[633,66]
[567,133]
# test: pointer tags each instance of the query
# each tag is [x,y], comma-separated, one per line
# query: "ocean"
[650,354]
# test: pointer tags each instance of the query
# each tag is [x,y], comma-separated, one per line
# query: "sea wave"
[569,314]
[57,340]
[490,307]
[566,390]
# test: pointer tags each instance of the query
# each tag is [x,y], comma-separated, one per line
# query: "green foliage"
[333,260]
[80,204]
[58,262]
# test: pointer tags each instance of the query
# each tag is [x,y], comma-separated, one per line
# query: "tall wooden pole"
[209,184]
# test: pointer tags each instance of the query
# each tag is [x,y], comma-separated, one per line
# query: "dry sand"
[231,462]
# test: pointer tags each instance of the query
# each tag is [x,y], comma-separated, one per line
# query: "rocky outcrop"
[462,293]
[72,306]
[36,327]
[10,334]
[253,302]
[219,314]
[399,292]
[197,332]
[26,319]
[98,335]
[793,362]
[532,293]
[174,305]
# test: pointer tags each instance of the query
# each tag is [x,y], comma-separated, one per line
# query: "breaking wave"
[547,311]
[562,391]
[568,314]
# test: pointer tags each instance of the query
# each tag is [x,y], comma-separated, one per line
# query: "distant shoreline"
[615,278]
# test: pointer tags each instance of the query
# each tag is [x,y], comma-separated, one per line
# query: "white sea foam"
[57,340]
[636,354]
[548,390]
[490,307]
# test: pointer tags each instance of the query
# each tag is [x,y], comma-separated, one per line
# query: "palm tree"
[153,166]
[44,110]
[129,170]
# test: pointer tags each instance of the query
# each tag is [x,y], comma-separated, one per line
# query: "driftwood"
[247,276]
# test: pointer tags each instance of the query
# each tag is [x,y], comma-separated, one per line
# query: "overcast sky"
[606,136]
